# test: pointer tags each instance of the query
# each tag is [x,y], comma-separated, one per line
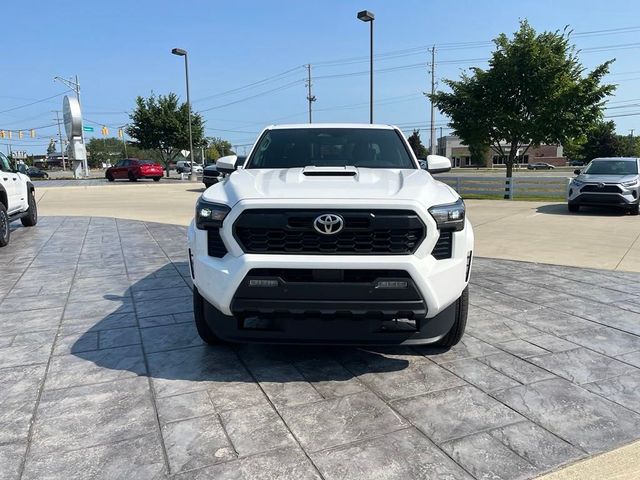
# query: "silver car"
[606,182]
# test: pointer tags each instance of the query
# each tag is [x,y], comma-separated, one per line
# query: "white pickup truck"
[17,199]
[331,234]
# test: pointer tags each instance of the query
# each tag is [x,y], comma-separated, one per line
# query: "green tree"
[600,141]
[160,123]
[52,147]
[217,147]
[535,91]
[628,146]
[478,152]
[418,148]
[104,150]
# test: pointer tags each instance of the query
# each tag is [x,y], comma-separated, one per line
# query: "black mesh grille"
[395,232]
[444,246]
[605,189]
[215,245]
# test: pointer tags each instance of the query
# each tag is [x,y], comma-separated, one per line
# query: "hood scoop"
[313,171]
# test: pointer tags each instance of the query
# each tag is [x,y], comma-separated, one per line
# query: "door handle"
[15,179]
[5,178]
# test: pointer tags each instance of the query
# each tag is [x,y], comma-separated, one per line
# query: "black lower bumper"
[347,307]
[603,199]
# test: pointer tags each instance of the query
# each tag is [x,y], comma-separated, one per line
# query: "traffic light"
[120,133]
[20,135]
[105,131]
[9,136]
[2,134]
[32,133]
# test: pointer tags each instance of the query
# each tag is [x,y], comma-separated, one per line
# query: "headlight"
[449,217]
[577,183]
[210,215]
[632,183]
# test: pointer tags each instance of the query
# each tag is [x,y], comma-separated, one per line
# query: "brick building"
[452,147]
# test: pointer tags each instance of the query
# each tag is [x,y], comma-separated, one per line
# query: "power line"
[249,85]
[35,102]
[282,87]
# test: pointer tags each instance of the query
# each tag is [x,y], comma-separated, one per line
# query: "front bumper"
[614,195]
[325,310]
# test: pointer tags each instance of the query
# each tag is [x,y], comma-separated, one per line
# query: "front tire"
[5,232]
[32,214]
[110,177]
[457,330]
[573,207]
[205,332]
[156,179]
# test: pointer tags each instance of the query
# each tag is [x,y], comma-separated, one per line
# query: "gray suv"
[606,182]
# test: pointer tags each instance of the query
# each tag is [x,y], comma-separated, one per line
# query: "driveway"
[102,374]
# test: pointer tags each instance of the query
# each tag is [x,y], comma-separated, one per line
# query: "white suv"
[17,200]
[331,234]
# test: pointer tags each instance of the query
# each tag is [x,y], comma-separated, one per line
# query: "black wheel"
[573,207]
[456,332]
[156,179]
[4,226]
[635,209]
[32,214]
[110,177]
[132,177]
[205,332]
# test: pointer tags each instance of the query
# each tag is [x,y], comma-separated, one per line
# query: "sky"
[247,58]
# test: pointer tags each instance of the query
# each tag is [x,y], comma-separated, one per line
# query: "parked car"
[33,172]
[184,166]
[540,166]
[211,175]
[17,199]
[331,233]
[134,169]
[608,182]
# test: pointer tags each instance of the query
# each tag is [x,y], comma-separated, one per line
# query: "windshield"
[146,162]
[330,147]
[612,167]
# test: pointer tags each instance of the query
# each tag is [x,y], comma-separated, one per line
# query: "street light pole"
[183,53]
[367,16]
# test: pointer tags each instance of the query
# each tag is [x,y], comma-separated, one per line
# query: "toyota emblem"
[328,223]
[601,185]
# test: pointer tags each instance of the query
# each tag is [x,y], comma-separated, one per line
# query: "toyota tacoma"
[331,234]
[17,200]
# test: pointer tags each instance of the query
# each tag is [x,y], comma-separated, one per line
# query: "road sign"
[87,128]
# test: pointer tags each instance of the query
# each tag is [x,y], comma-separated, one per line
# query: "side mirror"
[576,171]
[227,164]
[438,164]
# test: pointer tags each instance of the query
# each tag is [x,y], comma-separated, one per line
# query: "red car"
[133,169]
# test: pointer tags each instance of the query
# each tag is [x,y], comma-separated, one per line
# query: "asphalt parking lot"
[103,375]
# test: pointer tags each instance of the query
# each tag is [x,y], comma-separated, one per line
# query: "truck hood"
[583,177]
[348,183]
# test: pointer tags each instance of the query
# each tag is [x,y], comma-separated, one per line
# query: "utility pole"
[441,138]
[632,130]
[433,107]
[64,165]
[310,98]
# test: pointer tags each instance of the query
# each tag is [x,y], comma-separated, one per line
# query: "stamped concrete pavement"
[102,374]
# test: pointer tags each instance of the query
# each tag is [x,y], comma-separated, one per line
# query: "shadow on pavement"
[151,331]
[561,209]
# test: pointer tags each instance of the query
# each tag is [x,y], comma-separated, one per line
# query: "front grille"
[215,245]
[365,232]
[444,246]
[605,189]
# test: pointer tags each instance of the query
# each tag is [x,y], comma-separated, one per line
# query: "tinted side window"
[4,163]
